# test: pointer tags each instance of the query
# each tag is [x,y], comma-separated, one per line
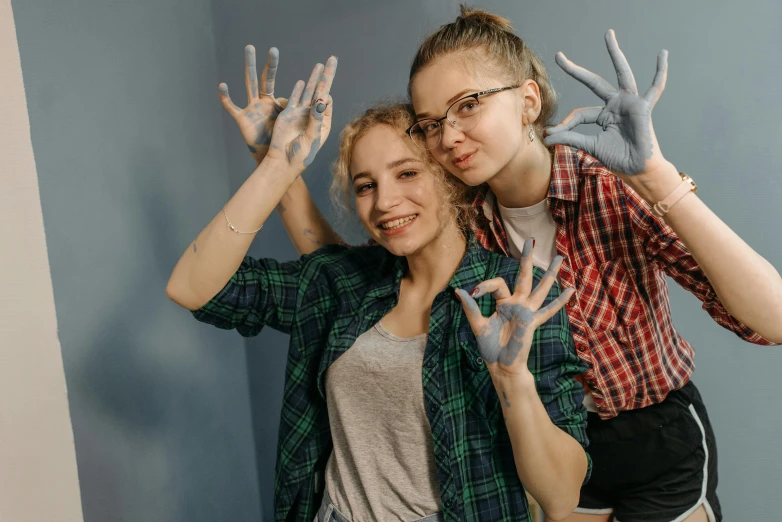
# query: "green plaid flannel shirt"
[325,300]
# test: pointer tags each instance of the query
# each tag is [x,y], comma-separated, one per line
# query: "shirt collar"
[565,174]
[471,271]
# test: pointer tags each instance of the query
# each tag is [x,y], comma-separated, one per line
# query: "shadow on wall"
[155,432]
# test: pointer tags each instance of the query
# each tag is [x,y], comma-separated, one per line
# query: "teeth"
[398,222]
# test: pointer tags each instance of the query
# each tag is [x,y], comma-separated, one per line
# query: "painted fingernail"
[321,107]
[533,242]
[223,88]
[475,291]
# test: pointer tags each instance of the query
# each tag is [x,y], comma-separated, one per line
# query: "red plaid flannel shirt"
[617,254]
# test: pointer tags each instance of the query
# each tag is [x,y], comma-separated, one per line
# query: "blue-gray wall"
[129,148]
[133,160]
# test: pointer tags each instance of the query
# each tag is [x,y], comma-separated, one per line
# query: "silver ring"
[267,94]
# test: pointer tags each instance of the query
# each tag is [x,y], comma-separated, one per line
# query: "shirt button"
[448,503]
[479,360]
[572,301]
[430,364]
[433,409]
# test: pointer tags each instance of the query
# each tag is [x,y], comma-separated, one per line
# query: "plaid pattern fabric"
[617,254]
[326,300]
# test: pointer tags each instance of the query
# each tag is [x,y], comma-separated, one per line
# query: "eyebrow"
[448,102]
[394,164]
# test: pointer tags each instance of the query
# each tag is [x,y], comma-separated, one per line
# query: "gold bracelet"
[236,229]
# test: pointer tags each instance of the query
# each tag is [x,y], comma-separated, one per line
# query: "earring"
[531,134]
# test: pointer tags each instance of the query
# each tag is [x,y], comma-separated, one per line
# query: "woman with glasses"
[623,218]
[401,401]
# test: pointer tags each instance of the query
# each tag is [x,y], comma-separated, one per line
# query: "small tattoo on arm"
[505,398]
[195,250]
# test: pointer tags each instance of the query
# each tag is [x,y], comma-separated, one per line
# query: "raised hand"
[627,143]
[299,130]
[256,121]
[505,338]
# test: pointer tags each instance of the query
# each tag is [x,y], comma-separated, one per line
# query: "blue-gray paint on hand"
[313,151]
[625,141]
[272,61]
[252,70]
[293,150]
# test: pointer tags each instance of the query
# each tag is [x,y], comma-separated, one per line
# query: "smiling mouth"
[398,223]
[464,160]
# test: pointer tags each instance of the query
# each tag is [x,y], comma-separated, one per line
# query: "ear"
[529,91]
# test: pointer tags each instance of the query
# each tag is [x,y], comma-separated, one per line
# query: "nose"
[451,136]
[388,197]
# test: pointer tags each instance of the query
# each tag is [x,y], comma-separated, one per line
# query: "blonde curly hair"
[455,197]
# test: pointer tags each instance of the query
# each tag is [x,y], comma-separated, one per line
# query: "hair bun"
[485,18]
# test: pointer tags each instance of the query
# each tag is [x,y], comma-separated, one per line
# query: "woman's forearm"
[306,226]
[748,286]
[217,252]
[550,463]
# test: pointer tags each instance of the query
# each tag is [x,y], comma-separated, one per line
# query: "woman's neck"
[431,268]
[525,180]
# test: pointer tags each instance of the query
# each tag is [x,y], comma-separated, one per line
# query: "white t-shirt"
[536,222]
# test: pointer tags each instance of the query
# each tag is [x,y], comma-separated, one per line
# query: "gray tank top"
[382,466]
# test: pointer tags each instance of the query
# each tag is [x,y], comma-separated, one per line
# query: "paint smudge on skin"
[505,398]
[293,150]
[528,245]
[252,70]
[272,62]
[311,235]
[503,338]
[313,151]
[195,250]
[252,149]
[264,131]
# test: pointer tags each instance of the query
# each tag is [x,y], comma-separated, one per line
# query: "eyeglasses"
[463,115]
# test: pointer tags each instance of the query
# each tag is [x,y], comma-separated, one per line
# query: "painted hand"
[505,338]
[627,143]
[256,121]
[299,130]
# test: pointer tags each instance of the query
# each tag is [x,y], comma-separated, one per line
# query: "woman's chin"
[471,177]
[400,248]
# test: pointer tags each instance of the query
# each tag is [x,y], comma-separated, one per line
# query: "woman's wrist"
[279,169]
[513,385]
[656,183]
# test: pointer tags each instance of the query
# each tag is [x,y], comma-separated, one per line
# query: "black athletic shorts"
[654,464]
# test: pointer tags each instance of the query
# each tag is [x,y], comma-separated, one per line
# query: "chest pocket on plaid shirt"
[607,295]
[479,392]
